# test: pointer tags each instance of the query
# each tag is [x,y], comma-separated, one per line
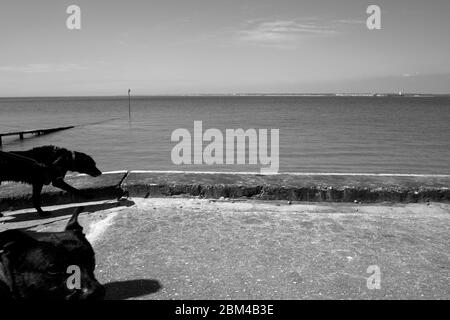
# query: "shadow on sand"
[120,290]
[68,211]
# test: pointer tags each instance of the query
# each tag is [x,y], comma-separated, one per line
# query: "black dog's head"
[57,265]
[62,159]
[83,163]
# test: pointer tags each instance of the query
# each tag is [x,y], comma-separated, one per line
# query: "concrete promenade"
[189,248]
[192,236]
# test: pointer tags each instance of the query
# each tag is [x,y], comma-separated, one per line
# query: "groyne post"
[129,104]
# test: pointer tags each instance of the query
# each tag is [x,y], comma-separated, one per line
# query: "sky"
[210,46]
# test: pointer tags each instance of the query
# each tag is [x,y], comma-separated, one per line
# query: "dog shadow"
[121,290]
[68,211]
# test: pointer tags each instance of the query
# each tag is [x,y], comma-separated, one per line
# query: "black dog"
[50,166]
[38,265]
[20,169]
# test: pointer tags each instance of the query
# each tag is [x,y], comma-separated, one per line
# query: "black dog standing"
[44,165]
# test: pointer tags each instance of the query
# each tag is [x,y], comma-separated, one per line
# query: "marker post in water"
[129,103]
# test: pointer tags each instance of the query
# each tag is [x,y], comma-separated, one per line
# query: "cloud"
[289,33]
[407,75]
[281,31]
[351,21]
[44,68]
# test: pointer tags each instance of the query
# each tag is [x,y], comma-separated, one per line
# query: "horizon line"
[239,94]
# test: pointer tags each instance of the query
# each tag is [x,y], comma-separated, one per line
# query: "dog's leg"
[61,184]
[37,188]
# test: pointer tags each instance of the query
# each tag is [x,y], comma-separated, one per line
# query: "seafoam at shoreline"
[279,173]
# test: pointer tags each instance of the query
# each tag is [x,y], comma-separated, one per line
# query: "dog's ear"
[15,239]
[73,224]
[13,245]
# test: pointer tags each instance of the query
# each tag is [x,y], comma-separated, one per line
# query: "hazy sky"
[192,46]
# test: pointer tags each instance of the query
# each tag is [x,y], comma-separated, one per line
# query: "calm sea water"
[317,134]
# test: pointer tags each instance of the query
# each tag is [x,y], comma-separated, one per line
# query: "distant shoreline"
[337,95]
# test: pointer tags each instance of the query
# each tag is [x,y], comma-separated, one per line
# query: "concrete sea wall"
[293,187]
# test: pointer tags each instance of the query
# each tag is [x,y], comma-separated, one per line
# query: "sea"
[317,134]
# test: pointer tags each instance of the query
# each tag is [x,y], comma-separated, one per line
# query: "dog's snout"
[96,173]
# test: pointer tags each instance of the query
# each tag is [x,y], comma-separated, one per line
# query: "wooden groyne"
[36,132]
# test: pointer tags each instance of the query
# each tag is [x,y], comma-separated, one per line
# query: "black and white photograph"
[221,157]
